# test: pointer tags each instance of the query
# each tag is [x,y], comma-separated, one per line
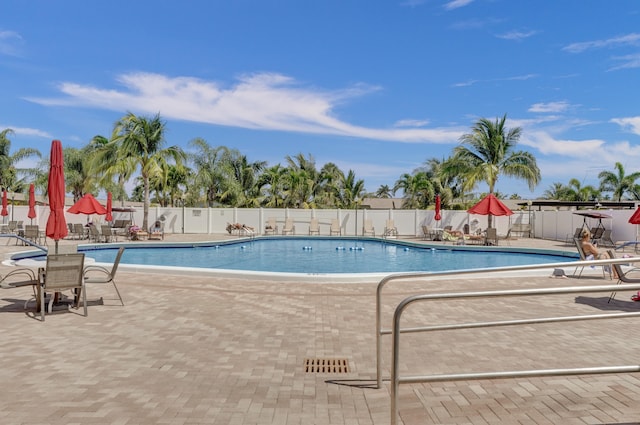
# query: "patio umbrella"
[87,205]
[490,205]
[438,217]
[56,224]
[109,216]
[635,218]
[4,203]
[32,203]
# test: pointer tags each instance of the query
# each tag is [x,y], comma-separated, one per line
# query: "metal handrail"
[412,275]
[396,380]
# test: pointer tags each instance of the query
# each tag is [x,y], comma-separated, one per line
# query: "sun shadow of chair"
[94,274]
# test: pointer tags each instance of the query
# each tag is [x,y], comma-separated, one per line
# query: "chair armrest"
[28,277]
[94,268]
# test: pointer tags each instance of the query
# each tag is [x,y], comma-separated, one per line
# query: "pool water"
[320,256]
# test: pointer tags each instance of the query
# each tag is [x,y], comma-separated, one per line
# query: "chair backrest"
[31,231]
[116,262]
[93,230]
[335,224]
[577,233]
[578,243]
[105,229]
[447,228]
[492,234]
[64,271]
[78,228]
[13,225]
[314,223]
[288,223]
[465,229]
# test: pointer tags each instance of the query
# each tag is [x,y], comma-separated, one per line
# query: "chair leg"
[117,291]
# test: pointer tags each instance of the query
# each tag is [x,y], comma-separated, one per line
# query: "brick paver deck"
[202,350]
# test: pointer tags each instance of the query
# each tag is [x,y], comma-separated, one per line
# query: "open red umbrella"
[490,205]
[4,204]
[87,205]
[438,217]
[109,217]
[56,224]
[32,203]
[635,218]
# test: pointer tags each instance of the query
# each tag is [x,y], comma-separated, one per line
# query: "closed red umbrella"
[5,212]
[87,205]
[109,217]
[32,203]
[56,224]
[438,217]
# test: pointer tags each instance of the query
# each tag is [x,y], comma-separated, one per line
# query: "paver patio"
[202,350]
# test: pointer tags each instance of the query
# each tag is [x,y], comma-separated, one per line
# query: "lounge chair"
[94,234]
[473,238]
[368,228]
[271,226]
[427,234]
[621,275]
[32,233]
[78,231]
[63,271]
[583,257]
[596,234]
[314,226]
[335,228]
[104,275]
[605,240]
[289,227]
[156,231]
[107,233]
[576,235]
[390,228]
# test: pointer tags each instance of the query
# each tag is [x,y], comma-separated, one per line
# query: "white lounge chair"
[289,227]
[271,227]
[335,228]
[314,227]
[368,228]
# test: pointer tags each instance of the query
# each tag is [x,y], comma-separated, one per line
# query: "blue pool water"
[319,256]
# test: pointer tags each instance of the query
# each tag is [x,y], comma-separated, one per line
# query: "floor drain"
[326,366]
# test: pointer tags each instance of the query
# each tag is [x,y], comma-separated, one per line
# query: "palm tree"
[302,182]
[106,163]
[487,152]
[574,191]
[77,174]
[384,191]
[418,190]
[9,174]
[555,191]
[209,169]
[617,183]
[141,139]
[351,191]
[272,182]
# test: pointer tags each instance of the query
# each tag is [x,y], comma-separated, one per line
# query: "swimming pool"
[321,256]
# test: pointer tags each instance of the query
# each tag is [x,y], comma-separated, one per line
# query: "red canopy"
[490,205]
[32,202]
[438,217]
[109,217]
[635,218]
[87,205]
[56,224]
[4,204]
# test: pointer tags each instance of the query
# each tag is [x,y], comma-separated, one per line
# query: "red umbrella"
[109,217]
[32,202]
[4,204]
[438,217]
[635,218]
[56,224]
[87,205]
[490,205]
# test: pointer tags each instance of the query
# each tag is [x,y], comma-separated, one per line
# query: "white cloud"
[628,61]
[455,4]
[516,35]
[9,41]
[264,101]
[632,124]
[629,39]
[23,131]
[551,107]
[549,145]
[411,123]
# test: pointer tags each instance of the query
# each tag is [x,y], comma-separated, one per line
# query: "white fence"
[553,225]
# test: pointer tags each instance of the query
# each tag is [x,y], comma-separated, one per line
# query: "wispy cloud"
[514,78]
[516,35]
[455,4]
[10,42]
[411,123]
[263,101]
[474,24]
[25,131]
[550,107]
[628,61]
[628,39]
[632,124]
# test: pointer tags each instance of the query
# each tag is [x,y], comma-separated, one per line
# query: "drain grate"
[326,366]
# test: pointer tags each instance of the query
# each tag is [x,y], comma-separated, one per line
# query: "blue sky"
[374,86]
